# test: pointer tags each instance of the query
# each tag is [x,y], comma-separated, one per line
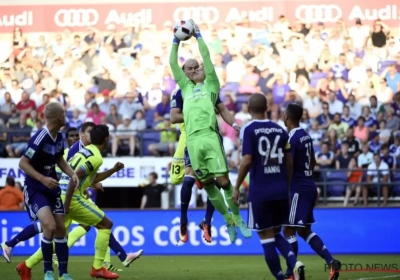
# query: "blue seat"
[151,136]
[145,147]
[385,64]
[317,148]
[149,117]
[337,183]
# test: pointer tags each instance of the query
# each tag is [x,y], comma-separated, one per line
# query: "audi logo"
[319,13]
[208,14]
[76,17]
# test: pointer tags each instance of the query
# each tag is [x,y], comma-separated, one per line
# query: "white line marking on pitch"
[379,277]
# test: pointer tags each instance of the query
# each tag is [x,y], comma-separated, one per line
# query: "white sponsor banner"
[135,172]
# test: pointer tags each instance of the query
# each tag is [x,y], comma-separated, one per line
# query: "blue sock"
[272,258]
[27,233]
[286,250]
[117,248]
[47,252]
[318,246]
[62,252]
[186,194]
[210,208]
[295,249]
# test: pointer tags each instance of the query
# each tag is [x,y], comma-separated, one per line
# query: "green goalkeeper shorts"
[207,156]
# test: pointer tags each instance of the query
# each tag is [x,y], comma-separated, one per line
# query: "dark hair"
[69,130]
[325,103]
[257,103]
[346,107]
[345,143]
[294,112]
[94,105]
[98,134]
[361,118]
[373,97]
[154,175]
[337,114]
[10,181]
[86,125]
[384,146]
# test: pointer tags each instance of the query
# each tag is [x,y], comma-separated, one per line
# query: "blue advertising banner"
[344,231]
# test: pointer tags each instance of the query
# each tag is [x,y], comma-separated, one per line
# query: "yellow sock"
[107,258]
[75,235]
[36,258]
[101,245]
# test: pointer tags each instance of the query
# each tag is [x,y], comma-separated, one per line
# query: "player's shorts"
[35,201]
[302,208]
[177,173]
[264,215]
[83,211]
[207,155]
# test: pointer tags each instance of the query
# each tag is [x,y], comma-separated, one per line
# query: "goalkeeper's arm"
[177,71]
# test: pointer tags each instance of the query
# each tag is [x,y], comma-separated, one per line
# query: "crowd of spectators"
[346,77]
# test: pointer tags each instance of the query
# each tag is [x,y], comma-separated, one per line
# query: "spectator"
[354,177]
[139,123]
[390,160]
[384,133]
[374,144]
[346,118]
[76,120]
[305,121]
[392,78]
[152,193]
[312,104]
[230,101]
[5,108]
[129,106]
[37,95]
[324,159]
[279,89]
[374,105]
[339,126]
[373,79]
[124,134]
[37,126]
[343,159]
[378,171]
[249,81]
[107,102]
[95,113]
[353,143]
[361,132]
[167,139]
[104,81]
[365,158]
[3,137]
[392,121]
[33,118]
[16,91]
[114,118]
[162,108]
[335,106]
[384,93]
[19,138]
[11,198]
[243,116]
[13,119]
[229,135]
[46,100]
[316,134]
[26,105]
[354,107]
[325,118]
[154,95]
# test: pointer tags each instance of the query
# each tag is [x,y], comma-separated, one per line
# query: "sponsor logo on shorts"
[199,173]
[89,166]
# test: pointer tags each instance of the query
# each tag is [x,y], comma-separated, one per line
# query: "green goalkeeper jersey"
[199,100]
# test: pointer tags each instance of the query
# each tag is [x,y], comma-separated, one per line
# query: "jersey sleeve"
[177,71]
[35,145]
[212,80]
[177,100]
[92,163]
[219,101]
[246,139]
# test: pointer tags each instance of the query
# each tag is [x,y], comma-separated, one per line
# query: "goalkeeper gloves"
[196,30]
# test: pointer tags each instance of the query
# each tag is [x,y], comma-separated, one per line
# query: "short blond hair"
[52,110]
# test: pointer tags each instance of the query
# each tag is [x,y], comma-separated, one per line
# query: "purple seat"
[149,117]
[385,64]
[145,147]
[151,136]
[317,148]
[316,77]
[336,183]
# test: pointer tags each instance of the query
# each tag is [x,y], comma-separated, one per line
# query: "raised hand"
[118,166]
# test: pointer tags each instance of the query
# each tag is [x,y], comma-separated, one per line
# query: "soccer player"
[181,170]
[42,191]
[266,154]
[207,155]
[31,230]
[303,192]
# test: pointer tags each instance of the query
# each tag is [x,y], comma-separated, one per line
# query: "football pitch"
[221,268]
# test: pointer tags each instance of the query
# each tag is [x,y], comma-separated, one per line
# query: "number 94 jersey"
[267,143]
[302,149]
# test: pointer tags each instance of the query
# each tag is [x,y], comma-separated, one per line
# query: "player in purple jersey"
[303,191]
[42,191]
[85,137]
[266,154]
[31,230]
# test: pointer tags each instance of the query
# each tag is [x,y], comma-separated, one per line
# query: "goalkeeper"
[200,93]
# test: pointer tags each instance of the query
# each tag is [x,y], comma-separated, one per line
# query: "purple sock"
[186,195]
[117,248]
[272,258]
[47,251]
[62,252]
[210,208]
[286,250]
[295,249]
[318,246]
[27,233]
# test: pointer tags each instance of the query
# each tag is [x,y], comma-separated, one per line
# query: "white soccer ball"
[183,30]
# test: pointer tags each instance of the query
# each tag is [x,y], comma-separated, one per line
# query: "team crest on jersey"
[59,147]
[35,208]
[29,153]
[199,173]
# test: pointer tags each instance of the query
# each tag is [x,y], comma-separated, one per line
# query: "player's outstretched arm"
[177,71]
[227,116]
[209,68]
[101,176]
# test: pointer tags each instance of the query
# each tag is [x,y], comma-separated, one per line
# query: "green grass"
[212,268]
